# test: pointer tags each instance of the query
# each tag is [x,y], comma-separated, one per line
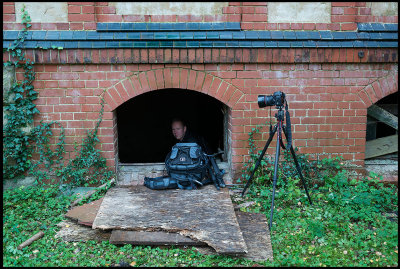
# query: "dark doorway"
[144,123]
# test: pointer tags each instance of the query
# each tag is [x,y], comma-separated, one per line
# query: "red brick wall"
[328,97]
[328,90]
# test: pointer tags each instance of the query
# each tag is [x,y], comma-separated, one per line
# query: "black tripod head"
[280,116]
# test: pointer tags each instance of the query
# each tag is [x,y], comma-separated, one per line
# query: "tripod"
[277,128]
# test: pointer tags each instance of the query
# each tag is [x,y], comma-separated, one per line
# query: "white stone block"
[299,12]
[384,8]
[46,12]
[169,8]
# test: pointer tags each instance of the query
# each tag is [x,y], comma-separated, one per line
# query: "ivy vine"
[19,110]
[19,144]
[88,167]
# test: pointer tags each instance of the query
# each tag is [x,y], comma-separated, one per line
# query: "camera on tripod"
[277,99]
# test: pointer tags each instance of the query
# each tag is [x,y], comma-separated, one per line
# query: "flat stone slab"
[205,215]
[255,231]
[256,234]
[85,214]
[254,227]
[72,232]
[120,237]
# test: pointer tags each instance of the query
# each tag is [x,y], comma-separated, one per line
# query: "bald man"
[183,135]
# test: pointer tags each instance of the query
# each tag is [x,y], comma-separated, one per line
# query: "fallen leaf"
[132,263]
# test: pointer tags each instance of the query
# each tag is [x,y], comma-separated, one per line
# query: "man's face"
[178,130]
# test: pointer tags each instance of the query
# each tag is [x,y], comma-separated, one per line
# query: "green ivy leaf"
[18,96]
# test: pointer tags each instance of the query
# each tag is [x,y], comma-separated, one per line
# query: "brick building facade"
[332,59]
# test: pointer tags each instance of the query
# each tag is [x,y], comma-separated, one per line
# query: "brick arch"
[172,77]
[379,89]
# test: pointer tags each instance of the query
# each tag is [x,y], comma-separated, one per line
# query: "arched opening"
[381,148]
[144,128]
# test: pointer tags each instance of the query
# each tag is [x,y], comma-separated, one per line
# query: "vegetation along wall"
[333,60]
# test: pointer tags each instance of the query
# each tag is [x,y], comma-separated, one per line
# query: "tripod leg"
[213,177]
[275,178]
[271,135]
[217,172]
[298,168]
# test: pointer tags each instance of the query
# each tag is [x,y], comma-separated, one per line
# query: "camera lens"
[265,100]
[261,101]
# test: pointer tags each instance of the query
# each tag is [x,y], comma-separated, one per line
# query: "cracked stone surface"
[205,214]
[254,229]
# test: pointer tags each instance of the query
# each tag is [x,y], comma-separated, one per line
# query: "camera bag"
[188,168]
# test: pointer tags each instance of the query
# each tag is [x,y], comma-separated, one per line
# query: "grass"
[345,226]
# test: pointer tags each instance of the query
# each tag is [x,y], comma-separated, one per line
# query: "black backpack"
[188,167]
[187,164]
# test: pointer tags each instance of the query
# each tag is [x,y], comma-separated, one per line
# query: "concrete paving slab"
[205,215]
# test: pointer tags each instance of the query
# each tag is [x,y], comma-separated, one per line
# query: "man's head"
[178,128]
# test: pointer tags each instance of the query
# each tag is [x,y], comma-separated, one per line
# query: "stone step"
[134,174]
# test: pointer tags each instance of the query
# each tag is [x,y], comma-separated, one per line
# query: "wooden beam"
[383,116]
[381,146]
[391,108]
[31,240]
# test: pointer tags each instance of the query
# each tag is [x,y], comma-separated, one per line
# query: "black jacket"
[191,137]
